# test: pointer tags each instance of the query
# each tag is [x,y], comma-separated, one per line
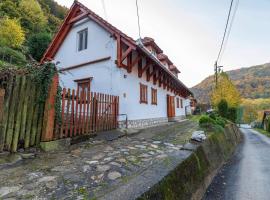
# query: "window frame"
[84,33]
[153,96]
[181,103]
[143,94]
[177,103]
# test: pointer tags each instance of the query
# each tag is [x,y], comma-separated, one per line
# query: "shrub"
[206,121]
[223,108]
[220,121]
[12,56]
[232,114]
[38,44]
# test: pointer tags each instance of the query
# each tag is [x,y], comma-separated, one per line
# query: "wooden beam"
[86,63]
[143,69]
[119,51]
[135,61]
[129,63]
[126,54]
[78,18]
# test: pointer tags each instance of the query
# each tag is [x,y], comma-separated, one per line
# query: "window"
[154,96]
[181,103]
[143,93]
[83,85]
[82,39]
[177,103]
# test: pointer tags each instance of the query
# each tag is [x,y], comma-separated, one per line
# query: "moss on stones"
[191,175]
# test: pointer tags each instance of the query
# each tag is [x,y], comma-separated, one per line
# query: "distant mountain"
[252,82]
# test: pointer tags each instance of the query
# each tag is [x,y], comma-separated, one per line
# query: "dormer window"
[82,39]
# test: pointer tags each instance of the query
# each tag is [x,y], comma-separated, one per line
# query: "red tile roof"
[151,42]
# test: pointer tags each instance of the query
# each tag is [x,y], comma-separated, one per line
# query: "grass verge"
[264,132]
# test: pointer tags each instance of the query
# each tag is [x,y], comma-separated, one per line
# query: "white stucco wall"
[107,77]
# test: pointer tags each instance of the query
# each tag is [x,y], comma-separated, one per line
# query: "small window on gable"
[82,39]
[154,96]
[143,94]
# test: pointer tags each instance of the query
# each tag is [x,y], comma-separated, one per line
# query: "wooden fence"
[84,112]
[21,114]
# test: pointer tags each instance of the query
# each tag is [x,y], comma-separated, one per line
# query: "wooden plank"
[30,113]
[2,106]
[72,113]
[91,111]
[63,113]
[67,114]
[84,111]
[25,108]
[40,122]
[34,124]
[80,113]
[95,113]
[76,113]
[7,100]
[87,112]
[12,113]
[18,118]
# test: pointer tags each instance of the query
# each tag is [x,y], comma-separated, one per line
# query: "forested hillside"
[26,29]
[252,83]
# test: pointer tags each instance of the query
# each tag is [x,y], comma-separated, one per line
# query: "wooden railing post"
[49,111]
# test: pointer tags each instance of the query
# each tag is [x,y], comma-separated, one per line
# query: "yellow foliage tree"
[33,17]
[225,90]
[11,33]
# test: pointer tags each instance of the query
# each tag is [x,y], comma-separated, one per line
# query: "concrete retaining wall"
[190,178]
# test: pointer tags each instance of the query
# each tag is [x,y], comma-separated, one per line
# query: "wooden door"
[170,106]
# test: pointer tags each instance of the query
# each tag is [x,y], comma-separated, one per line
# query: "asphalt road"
[247,175]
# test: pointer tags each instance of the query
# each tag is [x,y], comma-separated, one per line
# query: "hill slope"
[252,82]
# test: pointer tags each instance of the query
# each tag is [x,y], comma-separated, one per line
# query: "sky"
[190,31]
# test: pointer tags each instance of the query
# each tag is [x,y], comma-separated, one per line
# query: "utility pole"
[217,70]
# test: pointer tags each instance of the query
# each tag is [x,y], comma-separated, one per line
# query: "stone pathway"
[90,168]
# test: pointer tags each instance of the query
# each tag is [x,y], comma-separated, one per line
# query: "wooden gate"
[170,106]
[84,112]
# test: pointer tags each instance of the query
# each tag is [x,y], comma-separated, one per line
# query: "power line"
[104,10]
[225,32]
[138,17]
[230,28]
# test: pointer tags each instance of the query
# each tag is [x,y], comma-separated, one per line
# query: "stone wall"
[190,179]
[143,123]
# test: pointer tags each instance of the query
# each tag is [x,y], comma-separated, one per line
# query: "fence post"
[2,133]
[49,111]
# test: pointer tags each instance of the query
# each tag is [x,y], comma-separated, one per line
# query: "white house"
[95,55]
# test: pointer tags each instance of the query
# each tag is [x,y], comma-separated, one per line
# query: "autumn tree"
[225,90]
[11,33]
[32,16]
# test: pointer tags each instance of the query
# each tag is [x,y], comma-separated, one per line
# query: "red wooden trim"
[78,18]
[72,113]
[86,63]
[136,60]
[126,54]
[67,114]
[63,113]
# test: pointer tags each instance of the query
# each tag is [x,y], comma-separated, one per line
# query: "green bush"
[232,114]
[213,115]
[220,121]
[223,108]
[206,121]
[12,56]
[38,44]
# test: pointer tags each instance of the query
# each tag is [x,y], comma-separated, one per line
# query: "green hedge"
[12,56]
